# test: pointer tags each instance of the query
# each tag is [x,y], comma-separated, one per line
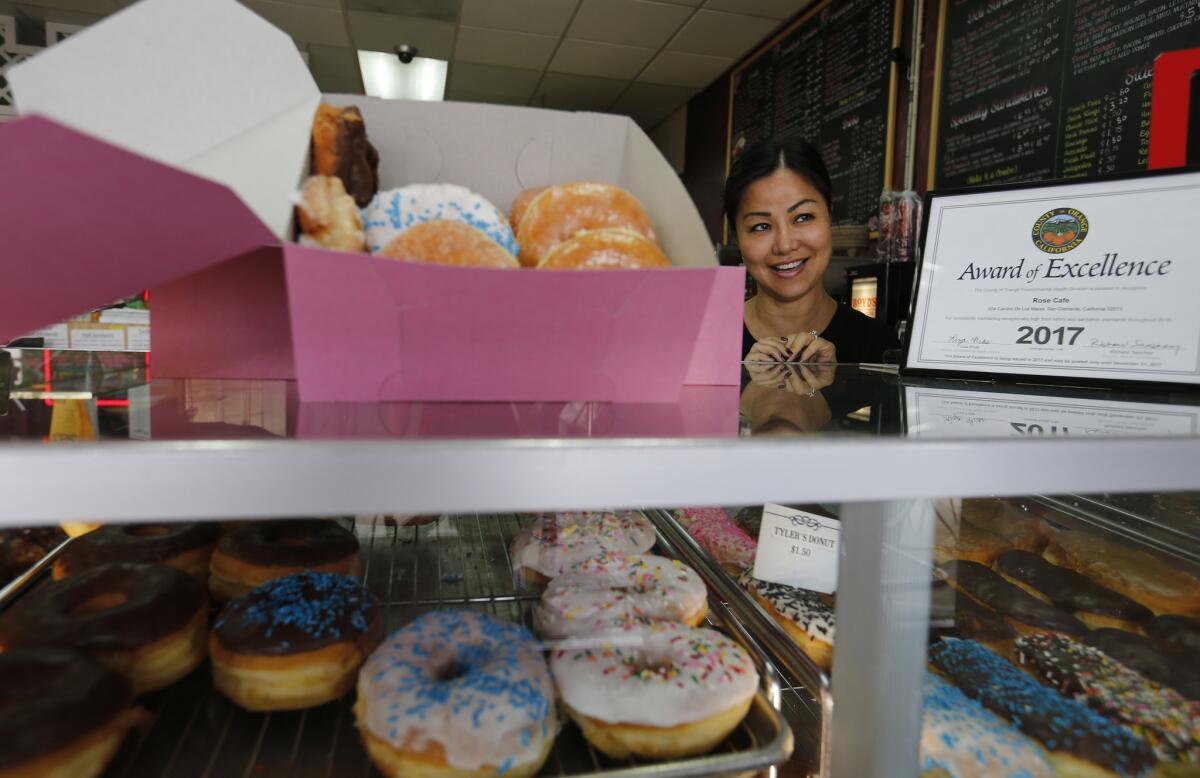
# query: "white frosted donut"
[460,690]
[680,692]
[558,540]
[593,596]
[393,211]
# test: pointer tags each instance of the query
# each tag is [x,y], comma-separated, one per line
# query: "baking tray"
[458,561]
[806,692]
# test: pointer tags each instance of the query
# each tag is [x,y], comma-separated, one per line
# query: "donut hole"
[98,603]
[450,671]
[148,530]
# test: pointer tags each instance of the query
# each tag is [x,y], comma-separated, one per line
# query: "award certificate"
[1095,281]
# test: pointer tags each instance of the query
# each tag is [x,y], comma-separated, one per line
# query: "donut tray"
[458,561]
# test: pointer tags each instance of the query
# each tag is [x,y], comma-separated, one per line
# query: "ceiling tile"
[384,32]
[772,9]
[721,35]
[649,104]
[438,10]
[677,68]
[577,93]
[335,69]
[588,58]
[631,22]
[501,47]
[474,97]
[492,81]
[44,9]
[693,3]
[307,23]
[334,4]
[545,17]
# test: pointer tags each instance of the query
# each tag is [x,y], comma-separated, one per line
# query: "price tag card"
[798,548]
[1093,282]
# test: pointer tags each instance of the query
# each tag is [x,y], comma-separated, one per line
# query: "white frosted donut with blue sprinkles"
[457,692]
[393,211]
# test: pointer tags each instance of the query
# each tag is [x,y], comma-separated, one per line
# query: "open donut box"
[161,148]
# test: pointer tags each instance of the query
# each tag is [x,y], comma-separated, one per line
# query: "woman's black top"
[858,337]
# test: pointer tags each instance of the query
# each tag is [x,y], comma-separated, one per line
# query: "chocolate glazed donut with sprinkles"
[458,693]
[1080,741]
[294,642]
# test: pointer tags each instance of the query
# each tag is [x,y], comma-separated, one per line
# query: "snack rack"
[458,561]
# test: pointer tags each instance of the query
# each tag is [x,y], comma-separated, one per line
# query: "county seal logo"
[1060,230]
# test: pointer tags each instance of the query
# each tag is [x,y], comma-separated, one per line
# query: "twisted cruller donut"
[62,713]
[457,693]
[679,693]
[595,595]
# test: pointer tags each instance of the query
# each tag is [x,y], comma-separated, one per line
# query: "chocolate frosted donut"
[1069,590]
[256,553]
[186,546]
[990,589]
[146,621]
[1144,656]
[299,613]
[1175,633]
[54,704]
[968,618]
[1065,727]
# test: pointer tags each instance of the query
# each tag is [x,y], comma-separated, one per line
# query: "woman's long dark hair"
[764,158]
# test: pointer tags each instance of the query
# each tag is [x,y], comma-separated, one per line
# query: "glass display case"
[945,495]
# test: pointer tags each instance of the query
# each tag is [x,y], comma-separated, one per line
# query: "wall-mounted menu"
[827,78]
[1039,89]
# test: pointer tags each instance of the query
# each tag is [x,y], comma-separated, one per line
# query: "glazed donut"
[521,203]
[556,541]
[186,546]
[806,617]
[445,242]
[64,714]
[613,248]
[294,642]
[328,216]
[726,542]
[396,210]
[457,693]
[253,554]
[562,211]
[679,693]
[148,622]
[340,148]
[593,595]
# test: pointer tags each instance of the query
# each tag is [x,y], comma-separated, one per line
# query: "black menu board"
[1038,89]
[829,79]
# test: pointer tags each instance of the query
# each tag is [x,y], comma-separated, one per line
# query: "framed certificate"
[1092,283]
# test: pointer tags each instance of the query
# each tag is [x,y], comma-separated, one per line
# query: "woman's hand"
[804,379]
[797,347]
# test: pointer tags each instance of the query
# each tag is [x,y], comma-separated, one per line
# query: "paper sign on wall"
[797,548]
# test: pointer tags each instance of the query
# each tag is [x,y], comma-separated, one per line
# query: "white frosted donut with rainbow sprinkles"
[547,547]
[679,693]
[593,596]
[457,692]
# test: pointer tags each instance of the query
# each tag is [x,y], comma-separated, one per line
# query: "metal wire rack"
[459,561]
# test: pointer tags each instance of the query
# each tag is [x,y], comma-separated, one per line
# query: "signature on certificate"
[1138,343]
[967,340]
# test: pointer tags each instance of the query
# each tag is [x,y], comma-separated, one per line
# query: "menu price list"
[1051,88]
[828,82]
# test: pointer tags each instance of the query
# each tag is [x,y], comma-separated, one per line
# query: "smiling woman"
[777,201]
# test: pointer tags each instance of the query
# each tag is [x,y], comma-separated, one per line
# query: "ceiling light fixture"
[387,74]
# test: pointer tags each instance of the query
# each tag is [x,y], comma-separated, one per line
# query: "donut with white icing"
[544,549]
[457,692]
[804,615]
[679,693]
[593,596]
[392,212]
